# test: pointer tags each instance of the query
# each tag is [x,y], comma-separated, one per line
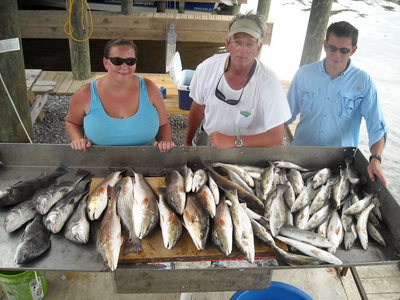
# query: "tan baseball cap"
[246,26]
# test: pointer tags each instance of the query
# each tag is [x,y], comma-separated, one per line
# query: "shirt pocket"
[308,100]
[244,119]
[349,104]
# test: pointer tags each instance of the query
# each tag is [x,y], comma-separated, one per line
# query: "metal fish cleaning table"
[25,161]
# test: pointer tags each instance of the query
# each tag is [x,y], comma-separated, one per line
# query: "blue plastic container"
[276,291]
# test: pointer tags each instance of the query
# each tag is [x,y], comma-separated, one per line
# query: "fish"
[242,229]
[145,208]
[234,177]
[175,193]
[294,177]
[109,238]
[289,195]
[304,198]
[199,179]
[321,177]
[323,228]
[255,172]
[34,242]
[238,170]
[47,197]
[268,204]
[347,220]
[225,184]
[302,216]
[214,189]
[335,232]
[277,216]
[222,228]
[171,226]
[267,180]
[23,190]
[97,200]
[361,226]
[206,198]
[375,234]
[196,221]
[341,189]
[350,236]
[359,206]
[311,250]
[321,199]
[306,236]
[291,259]
[58,215]
[289,165]
[352,173]
[318,218]
[77,228]
[188,178]
[19,215]
[125,201]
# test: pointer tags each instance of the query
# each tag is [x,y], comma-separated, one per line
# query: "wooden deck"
[66,85]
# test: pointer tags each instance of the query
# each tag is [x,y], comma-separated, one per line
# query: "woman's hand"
[375,170]
[164,146]
[81,144]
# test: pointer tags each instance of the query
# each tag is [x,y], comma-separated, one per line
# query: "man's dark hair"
[343,29]
[118,42]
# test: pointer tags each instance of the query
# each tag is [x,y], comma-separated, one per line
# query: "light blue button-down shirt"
[331,109]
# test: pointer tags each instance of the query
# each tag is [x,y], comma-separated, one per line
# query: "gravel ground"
[51,129]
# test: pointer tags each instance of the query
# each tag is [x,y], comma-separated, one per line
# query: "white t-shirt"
[263,104]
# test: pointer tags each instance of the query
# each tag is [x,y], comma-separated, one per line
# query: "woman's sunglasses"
[332,48]
[118,61]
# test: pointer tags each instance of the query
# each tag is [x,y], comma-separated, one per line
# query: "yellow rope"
[68,28]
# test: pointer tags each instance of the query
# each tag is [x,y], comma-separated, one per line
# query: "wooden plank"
[76,85]
[391,270]
[64,86]
[381,285]
[148,26]
[185,250]
[31,75]
[36,108]
[59,78]
[49,75]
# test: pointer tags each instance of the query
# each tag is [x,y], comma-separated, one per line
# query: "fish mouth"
[5,192]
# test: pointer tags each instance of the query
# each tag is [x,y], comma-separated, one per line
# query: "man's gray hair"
[258,19]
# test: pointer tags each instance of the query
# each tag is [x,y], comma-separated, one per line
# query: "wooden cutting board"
[184,250]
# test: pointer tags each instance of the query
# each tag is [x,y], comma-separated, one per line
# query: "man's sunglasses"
[118,61]
[221,96]
[332,48]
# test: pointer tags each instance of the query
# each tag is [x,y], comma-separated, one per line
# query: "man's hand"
[164,146]
[222,141]
[375,169]
[80,144]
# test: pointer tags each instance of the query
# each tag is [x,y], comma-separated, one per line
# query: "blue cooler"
[276,291]
[182,79]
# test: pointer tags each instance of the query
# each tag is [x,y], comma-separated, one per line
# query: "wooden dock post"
[127,7]
[79,41]
[263,8]
[317,24]
[13,75]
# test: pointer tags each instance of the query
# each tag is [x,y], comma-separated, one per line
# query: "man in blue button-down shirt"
[333,95]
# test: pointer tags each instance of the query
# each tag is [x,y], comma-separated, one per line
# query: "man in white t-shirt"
[238,101]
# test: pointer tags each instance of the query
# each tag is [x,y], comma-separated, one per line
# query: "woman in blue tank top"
[119,109]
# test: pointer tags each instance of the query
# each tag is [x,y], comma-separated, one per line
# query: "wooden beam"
[143,26]
[13,84]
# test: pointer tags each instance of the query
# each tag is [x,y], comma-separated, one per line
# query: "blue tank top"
[137,130]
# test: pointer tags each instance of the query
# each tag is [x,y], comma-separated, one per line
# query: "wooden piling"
[79,41]
[317,24]
[13,75]
[127,7]
[263,8]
